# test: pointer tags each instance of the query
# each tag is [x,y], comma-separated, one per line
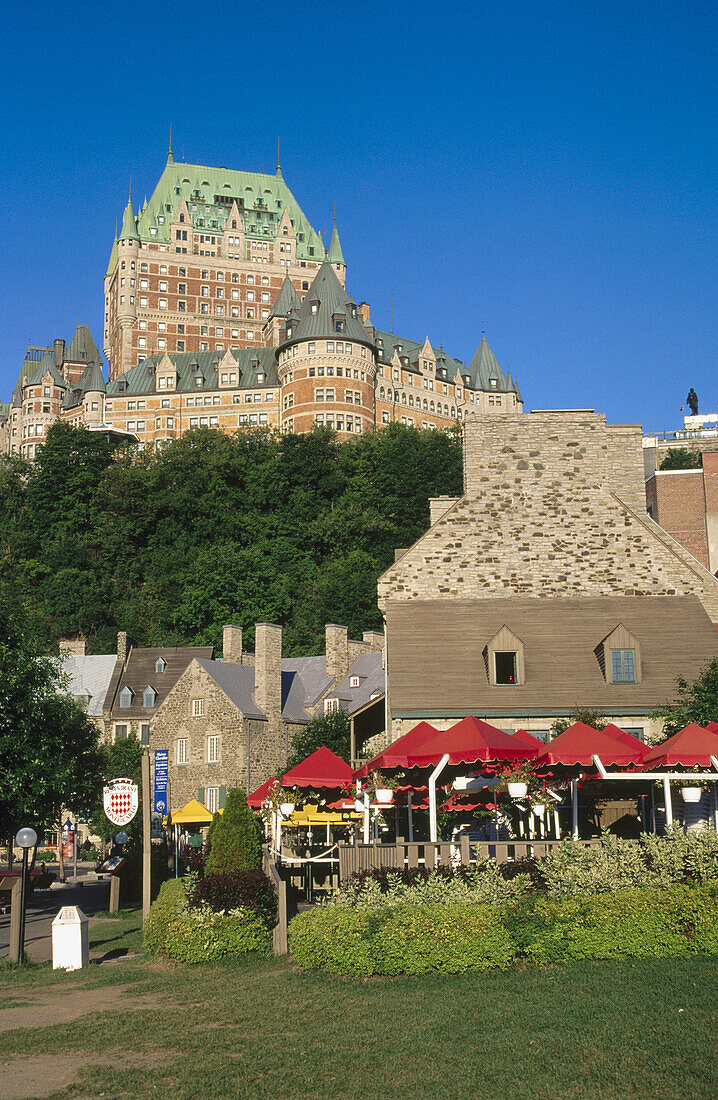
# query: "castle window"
[330,345]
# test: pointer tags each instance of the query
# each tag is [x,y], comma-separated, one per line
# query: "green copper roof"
[83,348]
[323,302]
[44,367]
[250,362]
[287,299]
[485,371]
[113,257]
[209,193]
[335,255]
[129,225]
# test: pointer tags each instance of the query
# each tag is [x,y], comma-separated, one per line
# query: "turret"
[128,250]
[336,256]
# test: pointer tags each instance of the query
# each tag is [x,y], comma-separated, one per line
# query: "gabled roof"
[82,348]
[89,675]
[370,670]
[325,299]
[139,671]
[691,746]
[287,299]
[578,745]
[250,363]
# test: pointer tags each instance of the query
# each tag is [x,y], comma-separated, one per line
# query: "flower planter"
[539,809]
[287,809]
[384,795]
[517,790]
[461,783]
[691,794]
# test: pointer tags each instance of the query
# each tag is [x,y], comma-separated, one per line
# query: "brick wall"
[678,503]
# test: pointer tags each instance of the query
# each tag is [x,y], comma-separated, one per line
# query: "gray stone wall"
[554,506]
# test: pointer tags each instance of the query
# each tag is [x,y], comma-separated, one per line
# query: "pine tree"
[235,837]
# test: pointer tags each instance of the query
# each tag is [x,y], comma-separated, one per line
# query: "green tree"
[48,746]
[589,717]
[236,843]
[331,730]
[680,458]
[695,702]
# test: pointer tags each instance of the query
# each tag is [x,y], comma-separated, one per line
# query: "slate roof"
[335,254]
[287,299]
[139,672]
[482,368]
[90,381]
[82,348]
[250,362]
[368,667]
[129,223]
[46,366]
[330,298]
[89,675]
[261,200]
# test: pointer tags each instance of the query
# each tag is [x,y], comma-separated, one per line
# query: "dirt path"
[28,1077]
[59,1006]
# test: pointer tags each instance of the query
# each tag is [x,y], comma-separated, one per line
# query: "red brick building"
[685,504]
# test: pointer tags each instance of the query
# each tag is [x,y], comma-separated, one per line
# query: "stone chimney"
[364,309]
[439,506]
[232,644]
[75,646]
[268,669]
[124,645]
[374,640]
[337,647]
[58,353]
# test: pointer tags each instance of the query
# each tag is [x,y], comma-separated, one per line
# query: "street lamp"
[25,839]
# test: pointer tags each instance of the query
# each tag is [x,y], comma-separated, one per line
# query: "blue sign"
[161,767]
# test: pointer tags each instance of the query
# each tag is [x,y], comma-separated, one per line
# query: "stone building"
[685,504]
[231,722]
[87,677]
[546,586]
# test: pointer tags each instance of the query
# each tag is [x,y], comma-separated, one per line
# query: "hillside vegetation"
[215,529]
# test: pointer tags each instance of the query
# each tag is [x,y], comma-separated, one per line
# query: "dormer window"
[160,665]
[353,681]
[504,659]
[126,698]
[619,657]
[493,383]
[149,695]
[315,307]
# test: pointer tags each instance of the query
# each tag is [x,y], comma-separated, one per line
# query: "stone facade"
[554,505]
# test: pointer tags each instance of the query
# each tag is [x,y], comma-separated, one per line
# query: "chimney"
[364,309]
[75,646]
[124,645]
[439,506]
[59,353]
[232,644]
[374,640]
[268,669]
[337,647]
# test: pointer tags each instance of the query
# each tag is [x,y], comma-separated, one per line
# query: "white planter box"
[287,809]
[539,809]
[691,794]
[517,790]
[384,795]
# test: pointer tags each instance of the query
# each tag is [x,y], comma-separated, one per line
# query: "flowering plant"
[278,795]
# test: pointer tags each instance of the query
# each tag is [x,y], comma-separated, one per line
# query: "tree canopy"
[48,745]
[330,729]
[681,458]
[695,702]
[215,528]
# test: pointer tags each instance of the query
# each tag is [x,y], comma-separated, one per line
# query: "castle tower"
[124,303]
[336,256]
[326,361]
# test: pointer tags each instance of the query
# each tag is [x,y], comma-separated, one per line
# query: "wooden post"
[114,894]
[15,922]
[146,838]
[60,857]
[667,798]
[352,742]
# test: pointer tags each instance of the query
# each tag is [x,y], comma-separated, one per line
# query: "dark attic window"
[505,667]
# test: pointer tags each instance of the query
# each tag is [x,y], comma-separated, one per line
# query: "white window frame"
[198,708]
[213,749]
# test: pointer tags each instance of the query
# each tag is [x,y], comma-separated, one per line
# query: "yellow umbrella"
[194,813]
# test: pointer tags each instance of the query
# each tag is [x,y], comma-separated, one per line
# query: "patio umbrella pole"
[366,817]
[574,809]
[433,829]
[667,799]
[410,816]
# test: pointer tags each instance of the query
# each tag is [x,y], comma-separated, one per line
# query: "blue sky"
[546,170]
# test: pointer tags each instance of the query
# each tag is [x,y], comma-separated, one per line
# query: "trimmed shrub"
[176,931]
[387,886]
[629,923]
[250,890]
[405,939]
[235,837]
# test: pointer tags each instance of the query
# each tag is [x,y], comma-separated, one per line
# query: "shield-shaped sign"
[120,800]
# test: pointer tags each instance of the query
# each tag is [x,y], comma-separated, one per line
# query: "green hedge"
[200,935]
[630,923]
[404,939]
[453,938]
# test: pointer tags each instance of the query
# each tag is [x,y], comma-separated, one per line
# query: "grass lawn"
[259,1028]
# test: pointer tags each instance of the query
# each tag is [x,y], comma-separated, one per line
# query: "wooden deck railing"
[367,857]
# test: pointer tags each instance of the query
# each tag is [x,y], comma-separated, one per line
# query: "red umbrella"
[713,727]
[256,798]
[627,739]
[690,747]
[580,743]
[393,757]
[470,741]
[528,740]
[322,768]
